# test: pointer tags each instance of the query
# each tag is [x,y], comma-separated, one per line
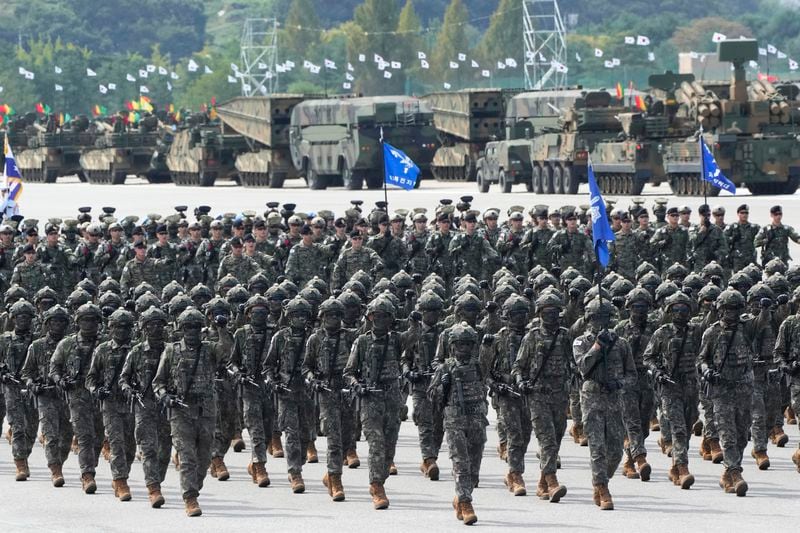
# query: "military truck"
[119,152]
[203,152]
[55,151]
[549,135]
[264,121]
[336,141]
[465,121]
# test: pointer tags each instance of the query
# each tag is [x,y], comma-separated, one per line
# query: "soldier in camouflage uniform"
[787,357]
[53,410]
[184,384]
[740,237]
[416,240]
[141,269]
[625,249]
[236,263]
[102,381]
[306,260]
[282,369]
[570,247]
[644,232]
[490,229]
[471,252]
[637,400]
[513,256]
[68,368]
[85,252]
[706,242]
[151,427]
[670,243]
[773,239]
[389,247]
[327,352]
[438,250]
[22,417]
[538,237]
[351,260]
[373,371]
[497,354]
[164,249]
[107,255]
[670,357]
[250,345]
[30,274]
[208,253]
[726,362]
[606,365]
[457,388]
[57,259]
[542,371]
[418,360]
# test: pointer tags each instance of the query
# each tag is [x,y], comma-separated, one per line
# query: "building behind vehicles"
[264,122]
[465,121]
[203,151]
[549,135]
[336,141]
[119,152]
[54,151]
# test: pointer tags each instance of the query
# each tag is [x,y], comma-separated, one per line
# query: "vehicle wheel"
[558,180]
[276,180]
[82,176]
[637,186]
[50,175]
[505,183]
[547,179]
[483,185]
[374,182]
[118,177]
[570,181]
[536,179]
[349,179]
[315,181]
[207,179]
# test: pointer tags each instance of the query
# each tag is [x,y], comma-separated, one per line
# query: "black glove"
[446,379]
[659,376]
[67,384]
[618,301]
[221,320]
[488,339]
[782,299]
[102,393]
[574,293]
[766,303]
[496,389]
[687,291]
[794,370]
[169,400]
[416,316]
[525,386]
[410,294]
[491,306]
[412,376]
[606,338]
[711,376]
[317,385]
[483,284]
[360,389]
[35,388]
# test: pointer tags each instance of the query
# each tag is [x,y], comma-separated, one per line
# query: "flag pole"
[703,168]
[383,160]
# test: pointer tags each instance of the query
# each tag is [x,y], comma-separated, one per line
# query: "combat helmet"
[190,316]
[429,301]
[297,305]
[730,298]
[256,301]
[331,305]
[152,313]
[548,299]
[462,332]
[56,311]
[381,303]
[22,306]
[516,303]
[677,298]
[88,310]
[121,317]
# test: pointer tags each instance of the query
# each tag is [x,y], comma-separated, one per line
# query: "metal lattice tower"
[545,44]
[259,53]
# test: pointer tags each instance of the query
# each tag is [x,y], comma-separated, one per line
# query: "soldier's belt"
[468,409]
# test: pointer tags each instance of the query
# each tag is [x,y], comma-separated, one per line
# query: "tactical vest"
[16,349]
[380,362]
[79,359]
[737,365]
[680,358]
[553,375]
[193,372]
[466,394]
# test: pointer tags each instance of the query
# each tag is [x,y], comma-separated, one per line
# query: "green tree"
[377,20]
[451,41]
[696,36]
[300,31]
[503,38]
[409,40]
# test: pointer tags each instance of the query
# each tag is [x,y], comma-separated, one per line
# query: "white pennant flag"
[781,55]
[234,67]
[150,68]
[651,56]
[396,65]
[560,67]
[103,89]
[377,59]
[424,64]
[268,75]
[530,55]
[608,64]
[542,59]
[29,75]
[143,89]
[577,57]
[262,66]
[280,68]
[263,90]
[90,72]
[718,37]
[330,64]
[485,73]
[475,64]
[642,40]
[112,86]
[453,65]
[289,64]
[629,40]
[57,69]
[346,85]
[246,87]
[762,51]
[771,49]
[446,85]
[348,76]
[792,64]
[231,79]
[315,69]
[362,58]
[511,62]
[753,64]
[387,74]
[129,77]
[192,67]
[142,73]
[598,52]
[501,65]
[169,86]
[207,70]
[307,63]
[59,88]
[615,61]
[174,75]
[162,71]
[22,71]
[462,57]
[421,55]
[350,67]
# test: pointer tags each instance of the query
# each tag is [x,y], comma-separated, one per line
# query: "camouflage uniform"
[535,242]
[514,255]
[625,253]
[107,256]
[208,257]
[643,236]
[438,250]
[706,244]
[473,255]
[787,356]
[351,261]
[391,250]
[187,374]
[136,272]
[58,262]
[31,277]
[774,242]
[22,417]
[305,262]
[242,268]
[572,249]
[417,259]
[229,416]
[84,261]
[670,245]
[740,239]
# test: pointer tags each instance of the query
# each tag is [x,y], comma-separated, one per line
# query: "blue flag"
[399,169]
[601,229]
[712,172]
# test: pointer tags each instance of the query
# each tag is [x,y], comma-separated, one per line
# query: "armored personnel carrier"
[264,121]
[336,141]
[55,151]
